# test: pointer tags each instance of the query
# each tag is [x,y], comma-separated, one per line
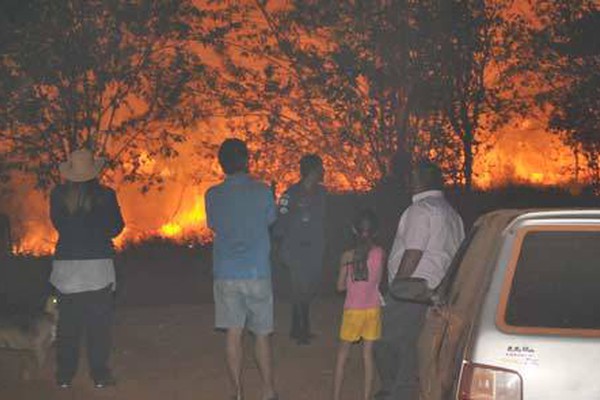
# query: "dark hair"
[81,197]
[366,215]
[429,173]
[310,163]
[233,156]
[360,268]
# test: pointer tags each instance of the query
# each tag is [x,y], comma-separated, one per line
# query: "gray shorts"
[244,303]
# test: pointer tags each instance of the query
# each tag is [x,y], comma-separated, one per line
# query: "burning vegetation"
[487,89]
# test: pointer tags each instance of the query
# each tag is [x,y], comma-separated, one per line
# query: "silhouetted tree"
[566,54]
[372,67]
[479,41]
[123,78]
[275,69]
[370,83]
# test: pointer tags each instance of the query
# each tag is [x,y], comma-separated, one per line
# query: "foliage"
[479,42]
[117,76]
[273,97]
[369,84]
[566,53]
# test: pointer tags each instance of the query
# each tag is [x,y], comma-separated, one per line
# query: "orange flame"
[522,154]
[525,154]
[192,220]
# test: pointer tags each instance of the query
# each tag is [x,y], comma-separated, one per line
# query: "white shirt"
[76,276]
[431,225]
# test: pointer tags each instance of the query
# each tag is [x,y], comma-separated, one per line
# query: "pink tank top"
[365,294]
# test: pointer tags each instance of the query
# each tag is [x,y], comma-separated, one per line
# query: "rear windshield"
[557,281]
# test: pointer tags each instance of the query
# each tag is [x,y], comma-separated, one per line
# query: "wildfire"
[175,212]
[188,222]
[525,154]
[171,229]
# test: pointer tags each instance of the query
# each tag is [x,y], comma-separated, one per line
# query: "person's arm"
[416,239]
[284,209]
[382,281]
[408,264]
[343,272]
[271,209]
[208,210]
[114,221]
[58,212]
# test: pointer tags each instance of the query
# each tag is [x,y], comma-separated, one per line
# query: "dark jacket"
[300,226]
[86,234]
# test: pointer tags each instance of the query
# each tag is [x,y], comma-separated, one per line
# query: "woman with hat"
[87,217]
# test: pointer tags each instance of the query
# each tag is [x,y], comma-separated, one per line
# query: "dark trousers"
[396,350]
[89,315]
[300,321]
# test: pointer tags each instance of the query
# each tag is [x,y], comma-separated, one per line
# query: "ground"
[166,348]
[171,352]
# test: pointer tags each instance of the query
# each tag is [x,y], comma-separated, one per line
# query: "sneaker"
[63,384]
[103,383]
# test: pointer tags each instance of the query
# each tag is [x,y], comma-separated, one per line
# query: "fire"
[191,220]
[171,229]
[523,153]
[174,212]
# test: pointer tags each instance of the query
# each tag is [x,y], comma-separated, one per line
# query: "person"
[301,241]
[359,275]
[87,217]
[429,234]
[239,211]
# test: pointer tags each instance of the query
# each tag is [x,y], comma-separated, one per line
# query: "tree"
[566,53]
[273,95]
[371,83]
[331,77]
[123,78]
[479,41]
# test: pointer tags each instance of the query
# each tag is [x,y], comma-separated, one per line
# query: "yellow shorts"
[357,324]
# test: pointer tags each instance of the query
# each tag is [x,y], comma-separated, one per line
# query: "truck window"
[556,283]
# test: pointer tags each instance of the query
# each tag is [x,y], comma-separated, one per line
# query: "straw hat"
[81,166]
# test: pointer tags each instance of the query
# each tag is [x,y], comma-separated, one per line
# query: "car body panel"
[466,327]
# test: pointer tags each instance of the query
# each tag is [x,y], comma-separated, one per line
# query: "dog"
[32,335]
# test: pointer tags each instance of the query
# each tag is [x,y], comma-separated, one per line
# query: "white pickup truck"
[519,312]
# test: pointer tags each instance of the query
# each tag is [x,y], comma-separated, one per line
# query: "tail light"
[483,382]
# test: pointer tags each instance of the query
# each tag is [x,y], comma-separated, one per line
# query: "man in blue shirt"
[239,211]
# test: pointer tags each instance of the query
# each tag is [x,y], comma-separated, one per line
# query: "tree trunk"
[595,173]
[576,155]
[468,161]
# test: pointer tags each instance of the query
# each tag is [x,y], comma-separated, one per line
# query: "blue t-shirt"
[240,211]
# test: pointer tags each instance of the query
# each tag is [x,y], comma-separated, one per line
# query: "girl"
[360,273]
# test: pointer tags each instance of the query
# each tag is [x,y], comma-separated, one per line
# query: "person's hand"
[439,307]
